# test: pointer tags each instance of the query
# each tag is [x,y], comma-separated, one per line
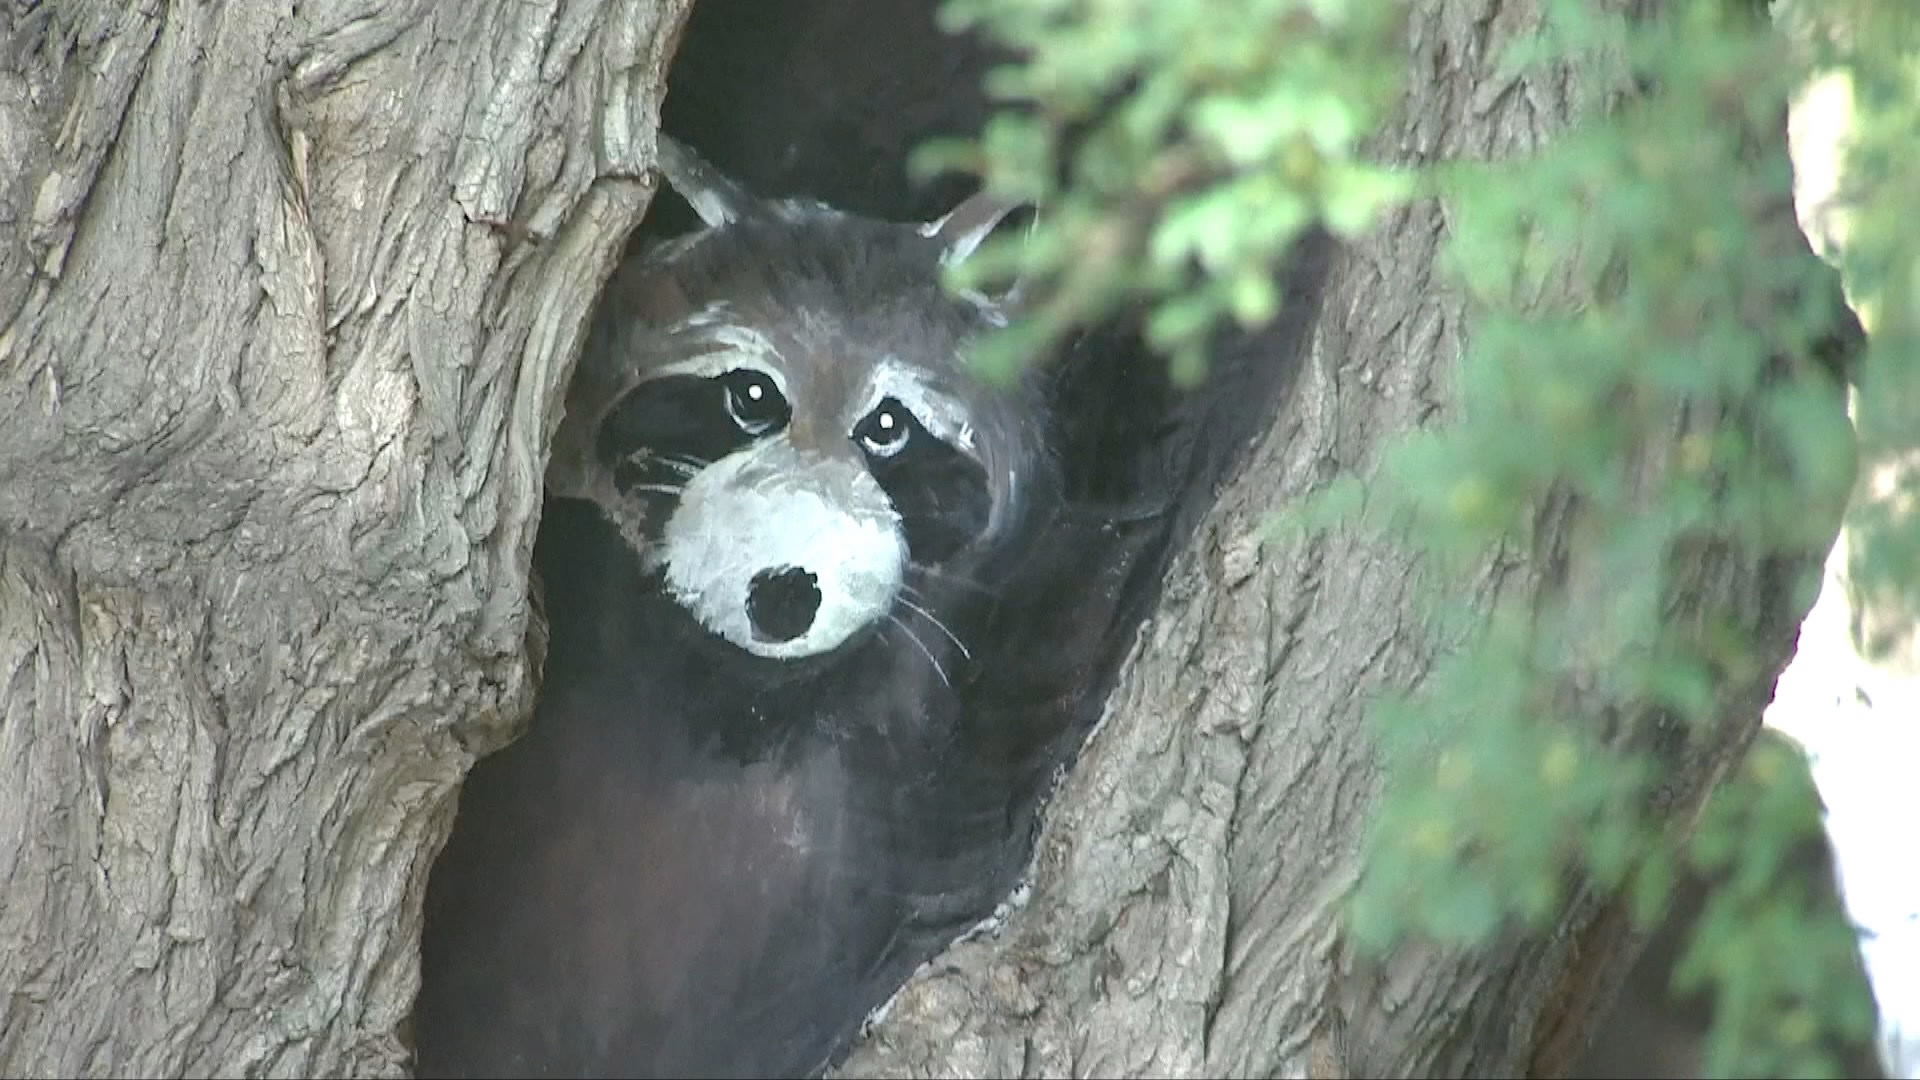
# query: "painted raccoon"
[753,798]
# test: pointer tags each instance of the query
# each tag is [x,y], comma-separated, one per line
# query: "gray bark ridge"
[288,293]
[1182,916]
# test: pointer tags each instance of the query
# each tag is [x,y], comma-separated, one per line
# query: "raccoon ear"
[961,231]
[715,198]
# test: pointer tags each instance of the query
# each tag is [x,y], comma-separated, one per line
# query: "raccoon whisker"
[685,464]
[938,625]
[922,646]
[937,574]
[661,489]
[686,468]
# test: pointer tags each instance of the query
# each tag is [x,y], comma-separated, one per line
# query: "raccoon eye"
[754,401]
[885,431]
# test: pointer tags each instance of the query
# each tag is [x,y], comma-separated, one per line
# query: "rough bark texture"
[1182,911]
[287,296]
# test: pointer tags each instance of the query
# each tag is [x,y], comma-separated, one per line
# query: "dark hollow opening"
[823,100]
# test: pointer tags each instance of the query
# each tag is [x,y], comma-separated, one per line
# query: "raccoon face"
[790,505]
[776,413]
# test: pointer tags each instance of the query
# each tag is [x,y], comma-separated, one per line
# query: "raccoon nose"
[782,602]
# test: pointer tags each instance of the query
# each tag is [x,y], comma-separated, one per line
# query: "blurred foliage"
[1205,137]
[1780,968]
[1638,348]
[1875,46]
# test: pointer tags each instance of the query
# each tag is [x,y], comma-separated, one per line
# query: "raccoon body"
[748,805]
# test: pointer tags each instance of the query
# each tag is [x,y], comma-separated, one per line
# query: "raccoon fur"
[750,803]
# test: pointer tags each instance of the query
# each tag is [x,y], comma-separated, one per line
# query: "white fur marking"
[716,312]
[944,416]
[768,508]
[994,312]
[738,347]
[957,249]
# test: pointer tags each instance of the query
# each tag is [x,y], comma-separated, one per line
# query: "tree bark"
[289,293]
[1182,913]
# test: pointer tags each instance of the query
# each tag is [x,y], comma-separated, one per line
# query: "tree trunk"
[290,293]
[1181,917]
